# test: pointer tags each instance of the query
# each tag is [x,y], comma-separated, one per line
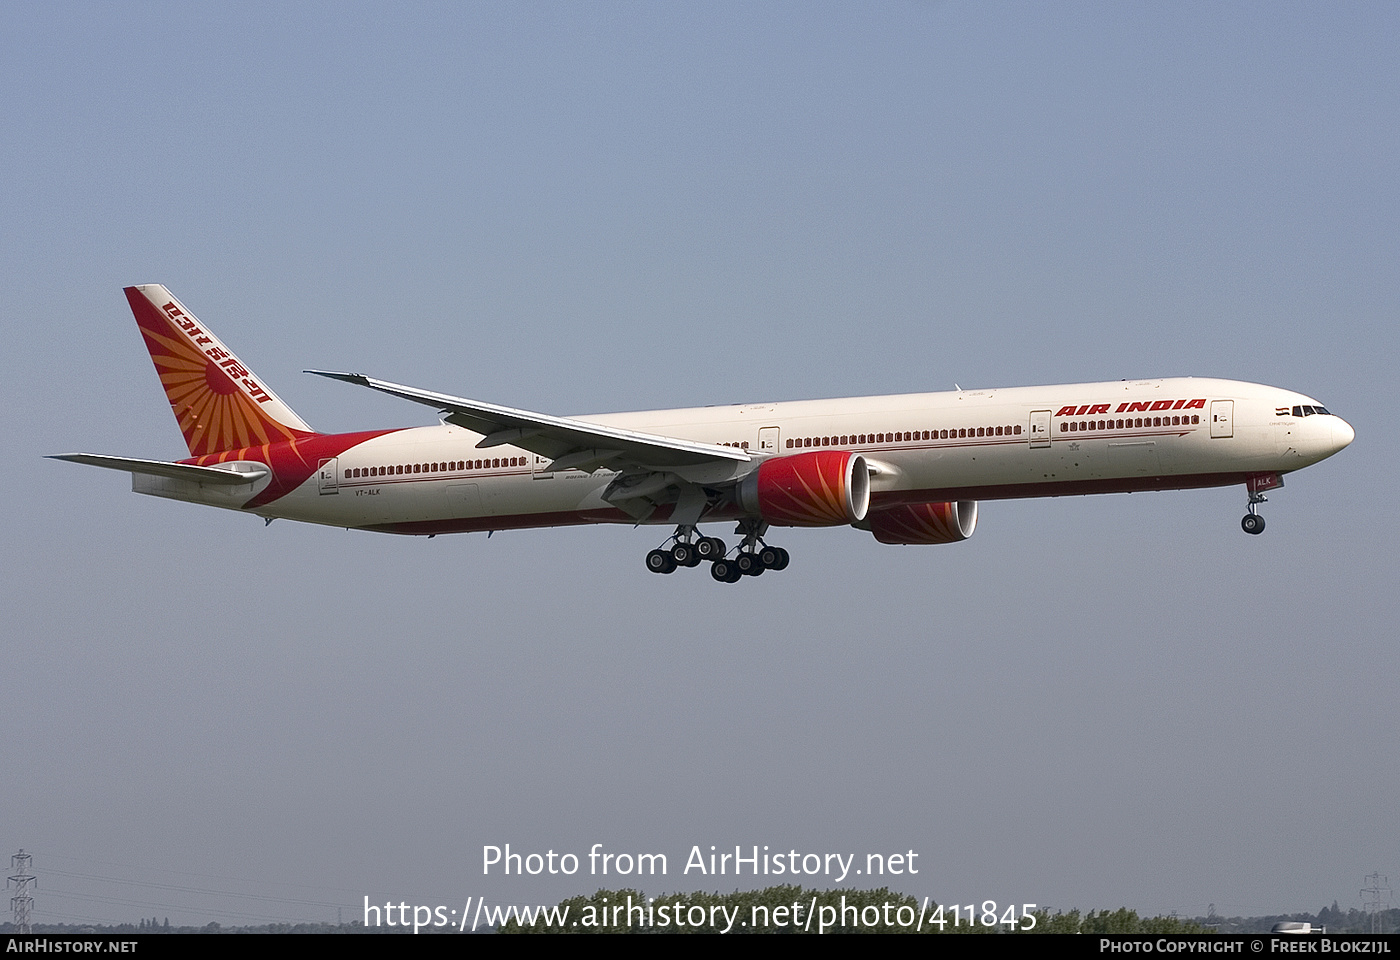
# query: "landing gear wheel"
[710,548]
[1252,523]
[773,558]
[685,555]
[749,564]
[725,571]
[660,561]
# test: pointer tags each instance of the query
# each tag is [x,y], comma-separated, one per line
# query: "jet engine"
[824,488]
[924,523]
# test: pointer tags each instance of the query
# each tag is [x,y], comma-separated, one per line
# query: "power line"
[220,900]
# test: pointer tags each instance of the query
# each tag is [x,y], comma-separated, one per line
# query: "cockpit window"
[1307,411]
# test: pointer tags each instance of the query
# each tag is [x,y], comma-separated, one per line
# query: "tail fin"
[218,402]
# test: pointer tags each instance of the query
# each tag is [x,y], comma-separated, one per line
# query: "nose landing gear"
[1256,485]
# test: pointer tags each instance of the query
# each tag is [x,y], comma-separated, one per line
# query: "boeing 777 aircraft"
[910,469]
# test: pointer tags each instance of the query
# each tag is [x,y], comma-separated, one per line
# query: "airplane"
[909,469]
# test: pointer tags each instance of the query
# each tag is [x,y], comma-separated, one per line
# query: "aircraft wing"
[570,444]
[174,471]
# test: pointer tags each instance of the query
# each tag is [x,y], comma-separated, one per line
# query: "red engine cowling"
[824,488]
[924,522]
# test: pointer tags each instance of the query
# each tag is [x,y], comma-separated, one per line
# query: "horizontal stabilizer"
[232,475]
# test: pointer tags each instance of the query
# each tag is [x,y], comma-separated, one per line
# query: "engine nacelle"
[924,523]
[824,488]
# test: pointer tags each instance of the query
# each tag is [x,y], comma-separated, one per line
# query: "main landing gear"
[688,549]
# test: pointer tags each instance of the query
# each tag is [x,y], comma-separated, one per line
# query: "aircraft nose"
[1342,433]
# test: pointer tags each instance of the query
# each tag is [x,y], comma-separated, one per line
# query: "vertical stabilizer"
[218,402]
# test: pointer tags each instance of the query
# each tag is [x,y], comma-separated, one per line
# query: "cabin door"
[1222,418]
[1040,428]
[326,477]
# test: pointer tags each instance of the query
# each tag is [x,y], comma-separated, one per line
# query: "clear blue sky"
[1094,702]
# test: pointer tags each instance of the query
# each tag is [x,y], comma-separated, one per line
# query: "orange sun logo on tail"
[218,402]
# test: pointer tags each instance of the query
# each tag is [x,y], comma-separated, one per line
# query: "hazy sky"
[566,207]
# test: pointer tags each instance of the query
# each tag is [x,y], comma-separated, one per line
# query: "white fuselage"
[931,447]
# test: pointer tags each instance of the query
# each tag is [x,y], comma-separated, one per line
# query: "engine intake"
[824,488]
